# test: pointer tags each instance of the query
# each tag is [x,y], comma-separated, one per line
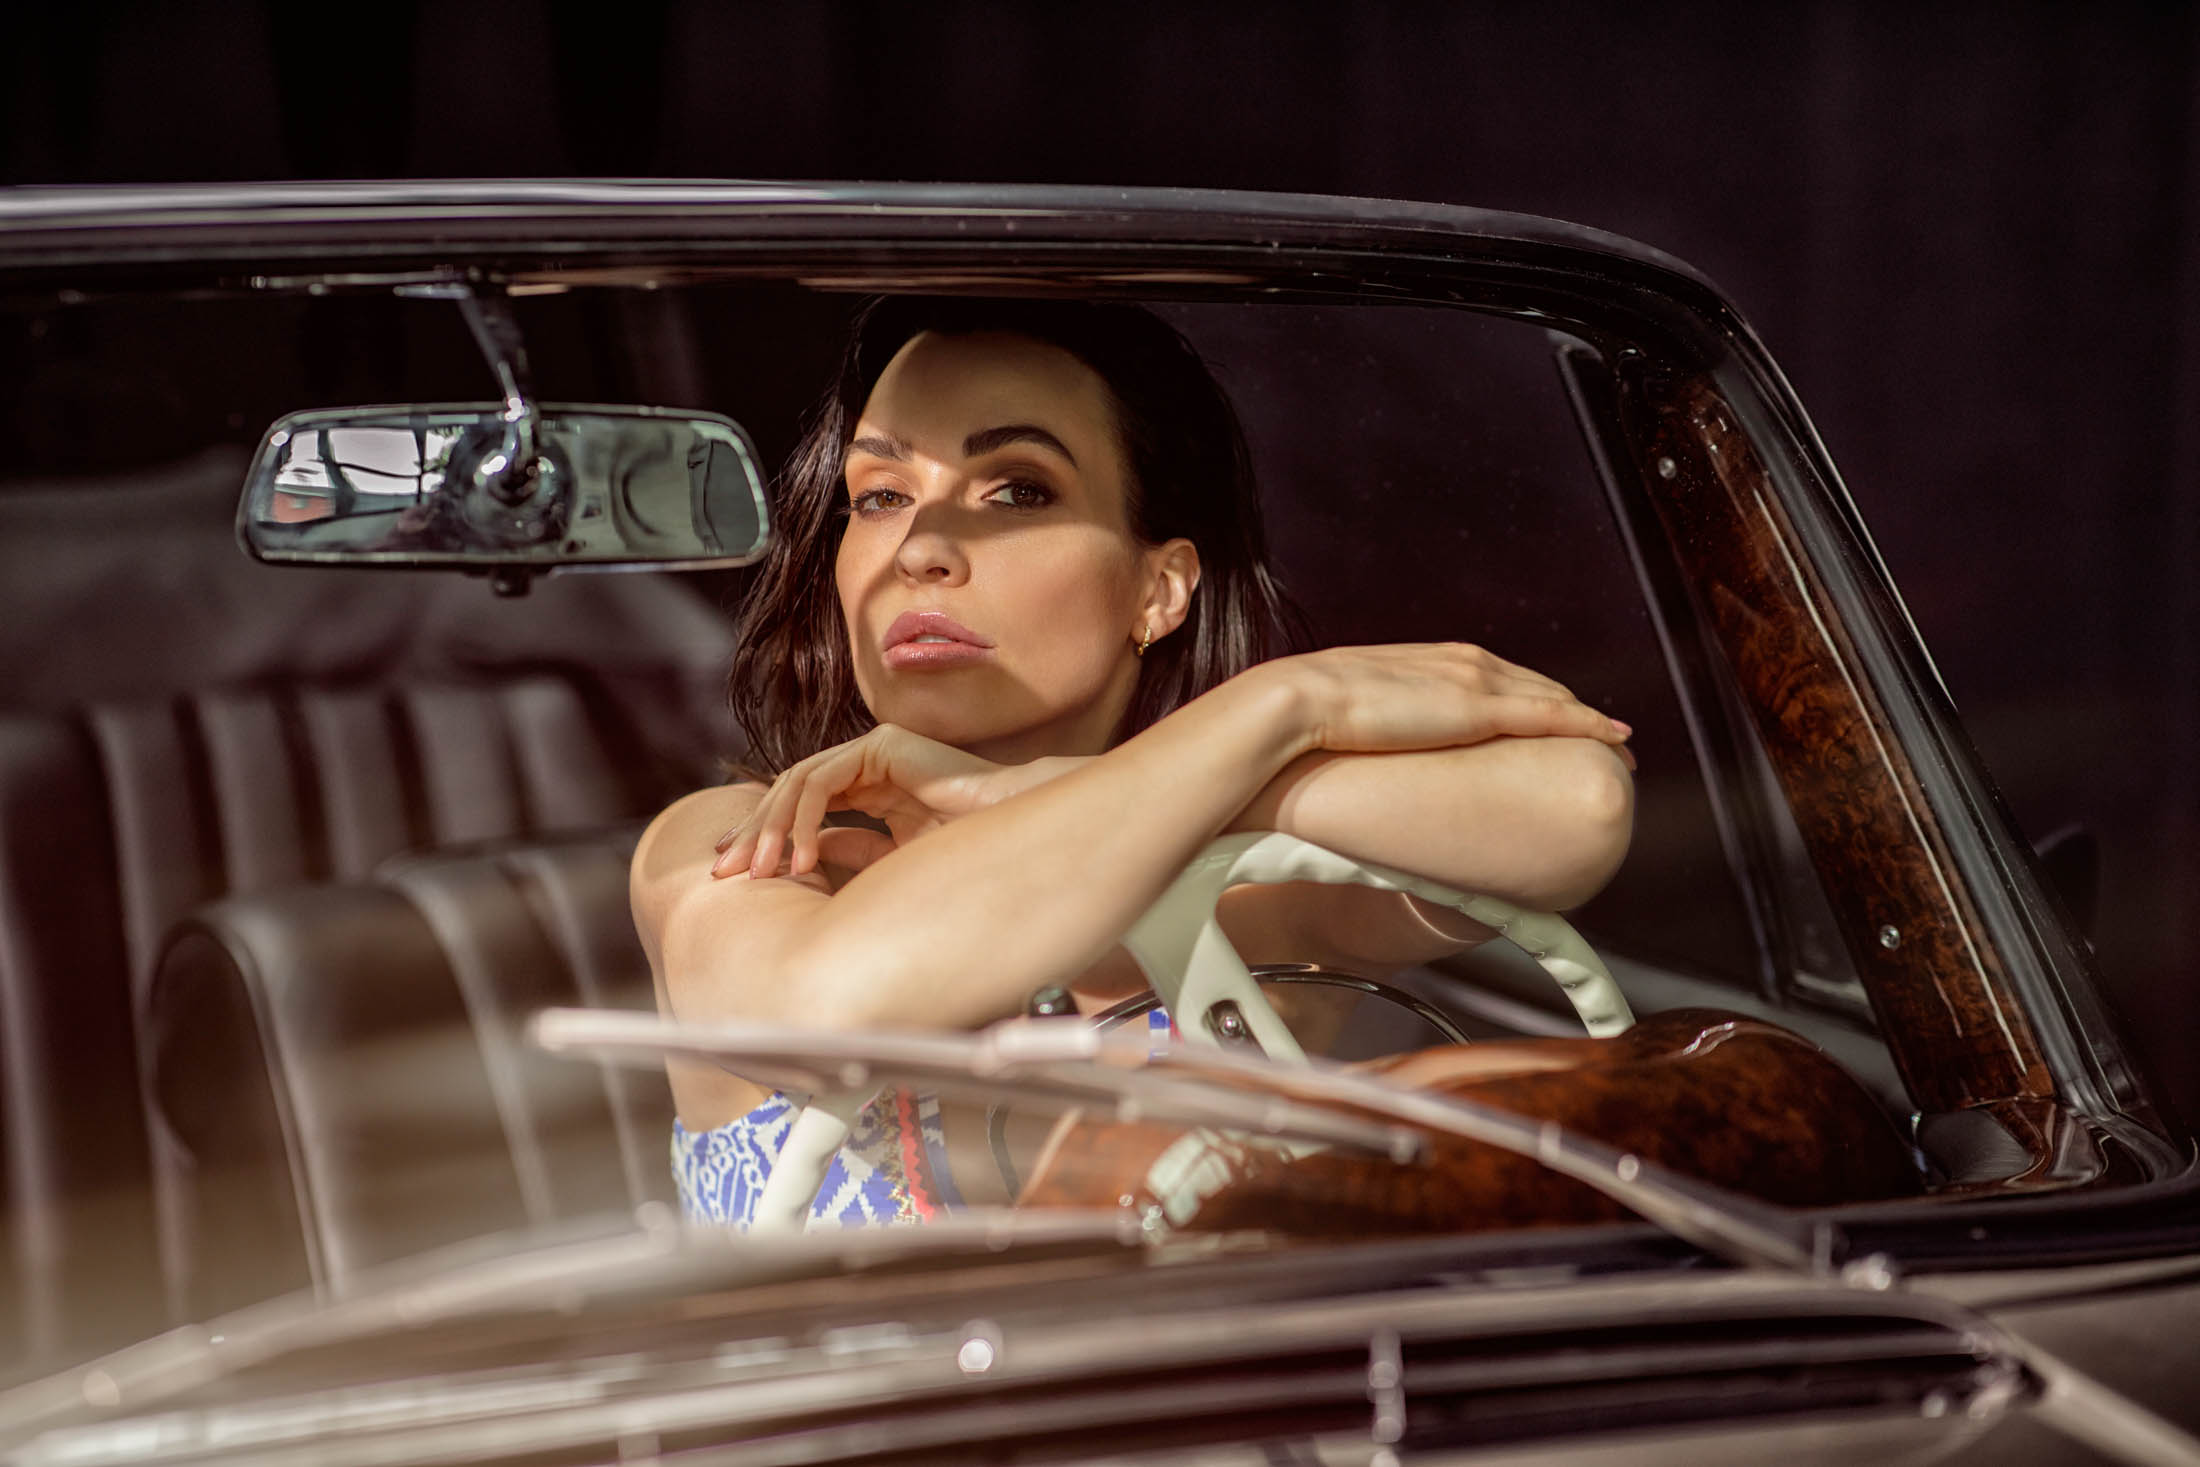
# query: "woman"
[1018,612]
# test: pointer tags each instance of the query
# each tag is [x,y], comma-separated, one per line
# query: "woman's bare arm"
[954,928]
[957,926]
[1542,823]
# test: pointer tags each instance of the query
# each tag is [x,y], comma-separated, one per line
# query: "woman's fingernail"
[1625,731]
[726,839]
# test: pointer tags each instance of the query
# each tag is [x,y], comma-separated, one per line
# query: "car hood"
[991,1330]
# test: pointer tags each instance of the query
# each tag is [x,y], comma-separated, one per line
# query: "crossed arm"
[998,880]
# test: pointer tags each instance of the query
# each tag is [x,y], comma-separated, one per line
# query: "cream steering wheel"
[1208,990]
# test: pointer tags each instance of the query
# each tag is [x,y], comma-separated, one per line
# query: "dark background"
[1970,232]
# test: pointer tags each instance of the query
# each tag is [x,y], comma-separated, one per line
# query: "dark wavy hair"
[1190,476]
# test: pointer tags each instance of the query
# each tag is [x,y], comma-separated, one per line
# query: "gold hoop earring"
[1145,637]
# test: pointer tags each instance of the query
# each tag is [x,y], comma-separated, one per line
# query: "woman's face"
[991,584]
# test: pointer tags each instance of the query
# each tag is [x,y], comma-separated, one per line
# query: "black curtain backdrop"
[1970,231]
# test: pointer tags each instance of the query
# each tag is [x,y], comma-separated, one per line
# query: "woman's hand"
[912,783]
[1430,695]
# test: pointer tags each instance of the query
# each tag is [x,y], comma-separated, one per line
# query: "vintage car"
[309,811]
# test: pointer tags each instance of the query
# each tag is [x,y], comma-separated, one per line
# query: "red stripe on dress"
[924,1194]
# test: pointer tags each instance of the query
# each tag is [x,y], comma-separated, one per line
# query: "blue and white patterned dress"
[892,1169]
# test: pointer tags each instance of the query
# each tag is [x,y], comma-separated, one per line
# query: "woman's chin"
[1002,741]
[1001,720]
[945,722]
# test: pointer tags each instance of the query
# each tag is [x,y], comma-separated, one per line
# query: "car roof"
[396,223]
[1159,213]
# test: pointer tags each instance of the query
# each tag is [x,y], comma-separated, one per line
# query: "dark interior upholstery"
[343,1069]
[79,1220]
[118,823]
[180,727]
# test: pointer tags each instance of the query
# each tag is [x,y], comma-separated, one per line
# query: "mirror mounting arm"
[510,474]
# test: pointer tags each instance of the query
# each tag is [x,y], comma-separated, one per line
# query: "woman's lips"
[927,639]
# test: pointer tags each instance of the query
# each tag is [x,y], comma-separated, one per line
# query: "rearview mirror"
[451,485]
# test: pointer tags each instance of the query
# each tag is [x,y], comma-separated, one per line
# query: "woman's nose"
[931,552]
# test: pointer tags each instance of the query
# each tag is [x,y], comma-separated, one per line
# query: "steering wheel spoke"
[1180,945]
[1198,975]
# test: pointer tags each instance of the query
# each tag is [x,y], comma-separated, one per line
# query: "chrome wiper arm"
[1060,1061]
[1066,1061]
[1737,1228]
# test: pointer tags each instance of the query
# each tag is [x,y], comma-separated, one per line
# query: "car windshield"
[297,854]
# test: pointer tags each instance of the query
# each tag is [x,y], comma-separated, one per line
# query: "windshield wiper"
[1067,1062]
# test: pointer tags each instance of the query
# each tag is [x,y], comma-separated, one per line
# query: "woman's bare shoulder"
[715,941]
[671,866]
[682,841]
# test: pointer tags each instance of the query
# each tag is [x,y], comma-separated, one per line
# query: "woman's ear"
[1172,575]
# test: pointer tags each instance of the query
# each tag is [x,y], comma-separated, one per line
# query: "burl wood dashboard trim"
[1958,1034]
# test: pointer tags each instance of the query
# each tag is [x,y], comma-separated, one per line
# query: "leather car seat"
[118,822]
[344,1070]
[179,724]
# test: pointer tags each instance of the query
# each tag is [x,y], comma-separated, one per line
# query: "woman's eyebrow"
[987,440]
[880,445]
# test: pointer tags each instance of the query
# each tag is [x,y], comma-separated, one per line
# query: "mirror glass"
[453,485]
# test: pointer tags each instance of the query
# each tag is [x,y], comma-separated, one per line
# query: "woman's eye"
[875,501]
[1022,495]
